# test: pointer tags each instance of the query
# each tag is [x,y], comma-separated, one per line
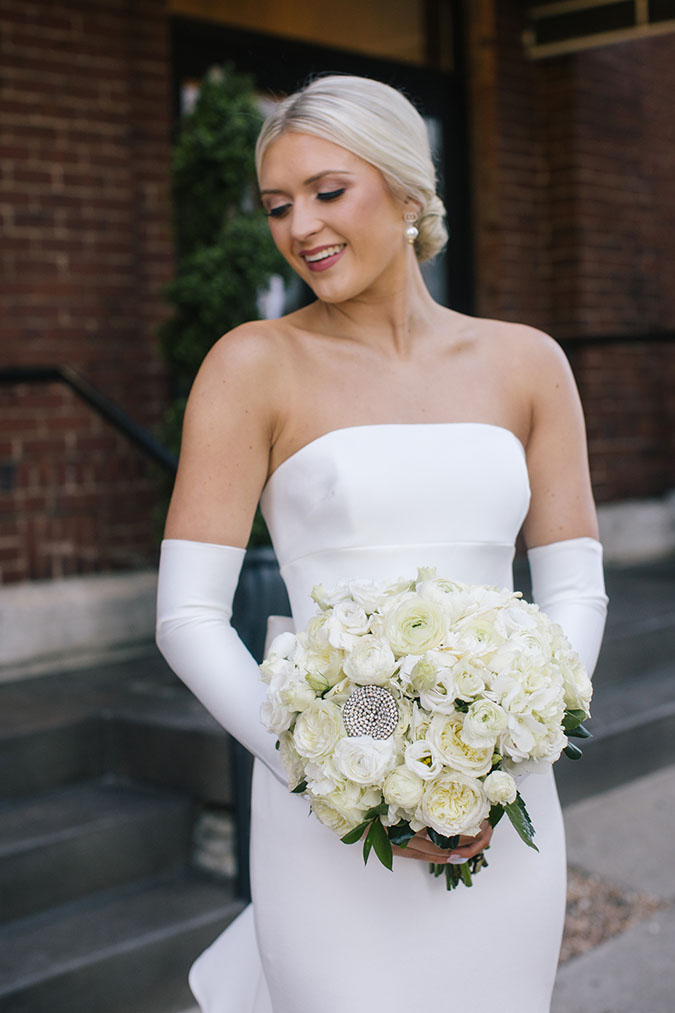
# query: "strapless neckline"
[347,430]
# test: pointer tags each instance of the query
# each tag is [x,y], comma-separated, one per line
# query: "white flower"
[500,788]
[345,623]
[297,695]
[317,729]
[483,722]
[403,788]
[370,661]
[454,804]
[422,758]
[282,646]
[445,734]
[577,687]
[325,599]
[344,808]
[291,761]
[415,625]
[363,759]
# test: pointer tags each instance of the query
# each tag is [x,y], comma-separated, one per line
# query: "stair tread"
[77,934]
[66,811]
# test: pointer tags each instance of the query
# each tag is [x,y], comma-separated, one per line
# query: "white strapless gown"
[330,935]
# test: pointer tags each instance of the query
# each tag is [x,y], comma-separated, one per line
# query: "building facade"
[558,174]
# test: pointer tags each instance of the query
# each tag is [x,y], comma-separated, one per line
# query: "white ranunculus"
[363,759]
[422,758]
[403,788]
[415,625]
[454,804]
[370,662]
[483,723]
[318,729]
[445,734]
[500,788]
[291,761]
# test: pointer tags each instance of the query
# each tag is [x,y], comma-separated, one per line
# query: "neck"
[391,317]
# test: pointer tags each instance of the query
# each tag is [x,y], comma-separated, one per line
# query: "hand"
[421,848]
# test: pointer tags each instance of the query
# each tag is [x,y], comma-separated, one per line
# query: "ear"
[410,204]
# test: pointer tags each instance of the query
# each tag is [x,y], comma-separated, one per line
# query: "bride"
[380,432]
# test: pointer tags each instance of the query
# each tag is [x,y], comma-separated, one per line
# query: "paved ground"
[624,839]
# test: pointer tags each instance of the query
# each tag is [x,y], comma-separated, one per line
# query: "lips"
[322,257]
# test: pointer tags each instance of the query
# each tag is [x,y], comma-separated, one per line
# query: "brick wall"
[85,106]
[574,211]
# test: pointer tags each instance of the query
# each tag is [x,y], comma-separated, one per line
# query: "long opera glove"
[569,586]
[197,581]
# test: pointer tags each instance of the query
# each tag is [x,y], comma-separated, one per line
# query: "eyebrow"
[313,179]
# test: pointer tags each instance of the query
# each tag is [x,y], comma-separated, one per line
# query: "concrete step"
[125,952]
[71,841]
[44,753]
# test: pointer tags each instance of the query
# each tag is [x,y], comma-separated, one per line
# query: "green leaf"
[465,873]
[572,719]
[277,744]
[520,818]
[461,705]
[572,751]
[352,836]
[369,841]
[382,845]
[495,814]
[400,834]
[440,841]
[377,810]
[580,732]
[299,788]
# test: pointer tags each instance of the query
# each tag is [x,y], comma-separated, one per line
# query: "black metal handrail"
[106,408]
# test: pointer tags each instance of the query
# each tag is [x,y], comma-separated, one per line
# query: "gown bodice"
[378,501]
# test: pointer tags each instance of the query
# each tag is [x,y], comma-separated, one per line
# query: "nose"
[305,220]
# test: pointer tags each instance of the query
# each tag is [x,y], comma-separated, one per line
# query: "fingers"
[421,848]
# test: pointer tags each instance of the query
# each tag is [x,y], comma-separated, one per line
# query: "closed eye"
[279,211]
[331,195]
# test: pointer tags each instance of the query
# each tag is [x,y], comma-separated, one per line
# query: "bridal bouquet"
[416,705]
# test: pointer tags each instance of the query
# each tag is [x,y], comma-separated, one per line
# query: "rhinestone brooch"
[370,710]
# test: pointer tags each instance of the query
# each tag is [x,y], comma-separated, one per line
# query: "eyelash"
[280,211]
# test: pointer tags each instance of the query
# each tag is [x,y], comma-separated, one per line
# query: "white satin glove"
[569,586]
[196,586]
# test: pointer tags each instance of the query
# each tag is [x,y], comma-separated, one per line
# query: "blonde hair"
[377,123]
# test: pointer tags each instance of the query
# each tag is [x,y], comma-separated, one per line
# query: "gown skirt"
[325,934]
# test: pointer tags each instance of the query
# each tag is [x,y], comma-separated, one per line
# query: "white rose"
[345,623]
[275,668]
[415,625]
[483,722]
[500,788]
[317,729]
[422,758]
[445,734]
[363,759]
[291,761]
[275,716]
[327,598]
[370,661]
[322,776]
[283,645]
[369,594]
[577,687]
[403,788]
[454,804]
[344,808]
[297,695]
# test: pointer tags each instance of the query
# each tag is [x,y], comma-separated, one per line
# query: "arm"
[229,425]
[561,530]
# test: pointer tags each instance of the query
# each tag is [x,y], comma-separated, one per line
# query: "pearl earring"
[412,232]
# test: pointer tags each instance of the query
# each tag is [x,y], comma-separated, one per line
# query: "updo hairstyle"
[377,123]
